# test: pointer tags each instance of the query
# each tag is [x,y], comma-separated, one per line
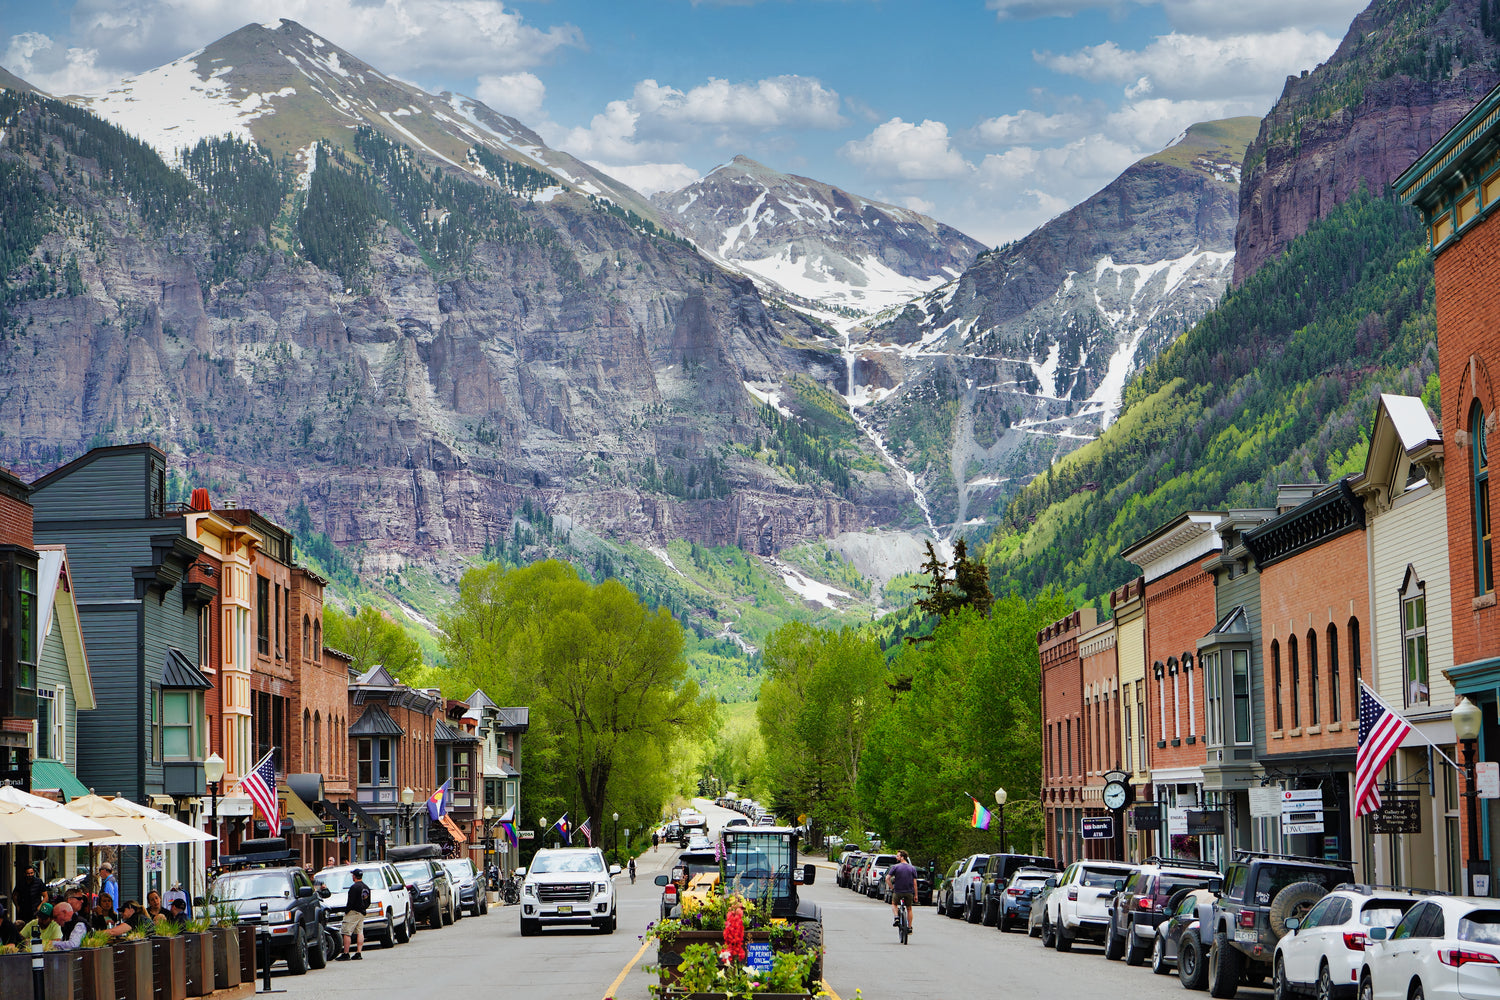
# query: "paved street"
[946,959]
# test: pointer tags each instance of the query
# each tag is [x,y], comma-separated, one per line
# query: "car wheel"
[436,920]
[608,926]
[1293,901]
[1047,939]
[1003,923]
[1325,983]
[1159,957]
[1190,965]
[991,915]
[484,905]
[388,939]
[972,910]
[317,958]
[530,928]
[954,912]
[1280,988]
[1033,930]
[1225,966]
[1366,988]
[1064,937]
[1416,991]
[296,958]
[1135,952]
[1114,944]
[403,929]
[942,910]
[448,915]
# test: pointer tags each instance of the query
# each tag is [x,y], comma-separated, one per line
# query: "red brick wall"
[1065,748]
[1325,585]
[15,522]
[1179,611]
[1468,315]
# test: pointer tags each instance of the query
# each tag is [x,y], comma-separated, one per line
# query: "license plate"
[564,909]
[1246,935]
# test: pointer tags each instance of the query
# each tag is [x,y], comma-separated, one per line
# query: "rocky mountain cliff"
[404,312]
[815,241]
[1405,73]
[981,383]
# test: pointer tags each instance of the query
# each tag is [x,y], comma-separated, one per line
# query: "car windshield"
[1481,926]
[1101,878]
[566,861]
[252,887]
[414,870]
[459,869]
[336,880]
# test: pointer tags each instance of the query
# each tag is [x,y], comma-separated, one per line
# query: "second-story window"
[263,615]
[375,763]
[1291,655]
[1125,719]
[1187,668]
[1479,451]
[1140,718]
[1414,639]
[1276,681]
[1335,694]
[1213,698]
[1239,660]
[1313,717]
[26,619]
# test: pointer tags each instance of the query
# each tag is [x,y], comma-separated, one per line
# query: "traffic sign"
[525,834]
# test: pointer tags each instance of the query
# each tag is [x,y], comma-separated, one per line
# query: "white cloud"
[43,63]
[908,151]
[649,178]
[1092,160]
[517,94]
[658,121]
[1205,16]
[1029,126]
[1151,124]
[1180,65]
[919,204]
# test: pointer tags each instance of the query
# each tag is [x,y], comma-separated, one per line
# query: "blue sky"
[991,115]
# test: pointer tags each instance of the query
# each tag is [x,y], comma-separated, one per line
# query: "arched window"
[1355,665]
[306,637]
[1479,463]
[317,757]
[1312,678]
[1160,669]
[1296,668]
[1187,667]
[318,641]
[306,736]
[1276,679]
[1172,668]
[1335,694]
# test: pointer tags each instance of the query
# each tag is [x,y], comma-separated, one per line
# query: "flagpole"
[1381,702]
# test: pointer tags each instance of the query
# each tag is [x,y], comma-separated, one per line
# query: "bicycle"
[632,873]
[903,920]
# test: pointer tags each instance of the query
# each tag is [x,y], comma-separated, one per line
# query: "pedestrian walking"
[354,918]
[29,894]
[110,885]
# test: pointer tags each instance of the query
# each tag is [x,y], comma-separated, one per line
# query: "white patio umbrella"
[134,824]
[20,825]
[88,830]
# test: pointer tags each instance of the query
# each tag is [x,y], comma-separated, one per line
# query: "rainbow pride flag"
[981,820]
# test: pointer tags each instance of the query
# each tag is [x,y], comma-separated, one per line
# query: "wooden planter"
[669,956]
[98,973]
[226,957]
[62,974]
[246,934]
[169,968]
[199,955]
[133,980]
[680,995]
[15,975]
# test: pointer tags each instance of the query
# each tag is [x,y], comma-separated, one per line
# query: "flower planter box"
[199,957]
[680,995]
[169,968]
[62,976]
[248,960]
[15,975]
[669,956]
[132,969]
[226,957]
[98,973]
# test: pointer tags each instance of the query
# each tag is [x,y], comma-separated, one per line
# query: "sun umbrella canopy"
[19,825]
[132,823]
[87,829]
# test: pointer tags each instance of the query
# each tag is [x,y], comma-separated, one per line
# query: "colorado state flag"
[437,805]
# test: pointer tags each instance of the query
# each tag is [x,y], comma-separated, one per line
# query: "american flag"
[1380,733]
[587,831]
[260,785]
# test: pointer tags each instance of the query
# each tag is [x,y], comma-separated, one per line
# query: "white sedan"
[1445,948]
[1322,953]
[1079,906]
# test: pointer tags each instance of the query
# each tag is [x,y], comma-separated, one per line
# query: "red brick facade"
[1179,611]
[1064,740]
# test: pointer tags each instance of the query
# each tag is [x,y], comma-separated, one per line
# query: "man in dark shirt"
[902,878]
[354,917]
[29,894]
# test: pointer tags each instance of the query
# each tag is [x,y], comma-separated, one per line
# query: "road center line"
[620,979]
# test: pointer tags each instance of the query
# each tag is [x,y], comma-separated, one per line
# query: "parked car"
[1036,923]
[846,867]
[688,865]
[569,886]
[468,885]
[861,883]
[997,872]
[1324,951]
[1261,891]
[1078,908]
[265,873]
[1141,903]
[431,889]
[875,874]
[1448,946]
[1016,899]
[962,893]
[389,918]
[1178,941]
[736,821]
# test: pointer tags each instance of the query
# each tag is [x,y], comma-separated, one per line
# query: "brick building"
[1101,723]
[391,733]
[1179,599]
[1128,603]
[1314,619]
[1456,184]
[1064,739]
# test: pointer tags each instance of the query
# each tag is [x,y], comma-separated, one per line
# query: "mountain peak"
[9,81]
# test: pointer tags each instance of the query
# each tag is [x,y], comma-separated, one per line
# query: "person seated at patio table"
[176,894]
[43,921]
[179,912]
[153,906]
[103,916]
[131,917]
[10,931]
[72,927]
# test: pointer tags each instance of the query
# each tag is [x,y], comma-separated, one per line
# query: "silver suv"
[568,886]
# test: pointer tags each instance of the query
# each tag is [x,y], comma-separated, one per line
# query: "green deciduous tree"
[371,638]
[603,674]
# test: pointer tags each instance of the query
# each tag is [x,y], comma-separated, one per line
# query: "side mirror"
[304,891]
[614,869]
[1292,923]
[1051,883]
[661,880]
[1119,885]
[324,892]
[1379,933]
[521,872]
[809,873]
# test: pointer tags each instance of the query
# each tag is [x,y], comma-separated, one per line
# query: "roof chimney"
[1290,495]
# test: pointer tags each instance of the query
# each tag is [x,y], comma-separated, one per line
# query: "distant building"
[1064,740]
[391,742]
[1129,607]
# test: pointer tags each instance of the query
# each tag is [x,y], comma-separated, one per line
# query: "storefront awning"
[54,774]
[302,818]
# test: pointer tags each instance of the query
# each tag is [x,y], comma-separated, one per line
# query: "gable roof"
[377,676]
[375,722]
[58,601]
[180,672]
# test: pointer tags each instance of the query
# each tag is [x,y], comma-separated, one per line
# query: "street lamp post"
[213,773]
[1000,797]
[1467,721]
[616,818]
[407,798]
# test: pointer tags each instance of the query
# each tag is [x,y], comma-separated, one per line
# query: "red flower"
[734,934]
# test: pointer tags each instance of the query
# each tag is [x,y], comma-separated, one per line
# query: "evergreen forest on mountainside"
[1276,385]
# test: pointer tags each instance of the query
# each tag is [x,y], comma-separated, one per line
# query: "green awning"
[49,774]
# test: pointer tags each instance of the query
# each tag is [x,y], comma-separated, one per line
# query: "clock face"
[1114,795]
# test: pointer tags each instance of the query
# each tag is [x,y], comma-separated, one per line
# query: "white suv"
[569,886]
[1079,906]
[389,918]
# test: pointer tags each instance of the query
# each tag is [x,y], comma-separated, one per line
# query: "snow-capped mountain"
[287,88]
[814,241]
[979,384]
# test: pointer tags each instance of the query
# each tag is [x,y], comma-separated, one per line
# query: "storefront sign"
[1487,779]
[1146,817]
[1302,811]
[1098,827]
[1265,800]
[1205,821]
[1397,814]
[1177,821]
[526,835]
